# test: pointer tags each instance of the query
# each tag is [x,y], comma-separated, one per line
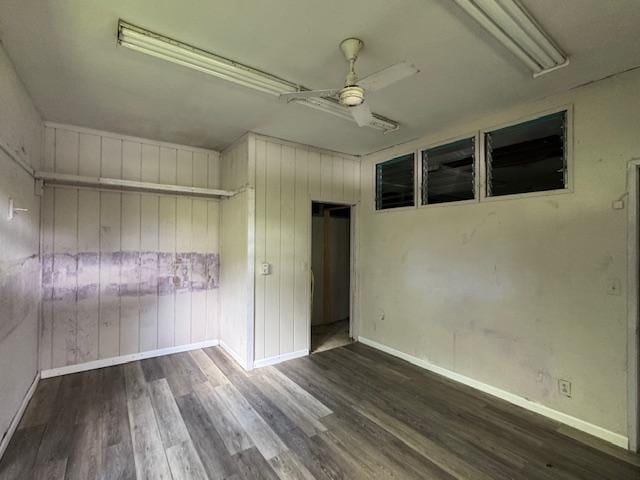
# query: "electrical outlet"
[265,269]
[564,387]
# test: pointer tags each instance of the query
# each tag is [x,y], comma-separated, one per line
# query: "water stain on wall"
[73,277]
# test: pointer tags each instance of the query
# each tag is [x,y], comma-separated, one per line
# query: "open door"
[330,276]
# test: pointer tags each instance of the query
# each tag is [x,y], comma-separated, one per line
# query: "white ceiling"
[66,54]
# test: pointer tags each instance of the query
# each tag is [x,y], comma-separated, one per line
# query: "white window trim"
[476,171]
[568,154]
[415,183]
[480,165]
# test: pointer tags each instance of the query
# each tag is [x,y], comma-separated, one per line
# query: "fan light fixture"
[159,46]
[516,29]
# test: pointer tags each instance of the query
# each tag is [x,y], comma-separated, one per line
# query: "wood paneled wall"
[236,279]
[126,272]
[234,165]
[287,178]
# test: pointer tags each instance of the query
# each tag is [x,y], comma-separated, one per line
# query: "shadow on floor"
[330,335]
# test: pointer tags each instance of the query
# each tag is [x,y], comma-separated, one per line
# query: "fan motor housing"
[352,95]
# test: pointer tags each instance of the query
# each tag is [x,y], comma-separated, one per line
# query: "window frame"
[415,183]
[568,109]
[476,168]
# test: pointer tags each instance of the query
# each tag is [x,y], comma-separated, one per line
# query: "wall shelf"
[128,185]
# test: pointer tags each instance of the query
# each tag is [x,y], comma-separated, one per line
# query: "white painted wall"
[513,293]
[236,261]
[20,137]
[234,165]
[126,273]
[287,178]
[279,180]
[235,288]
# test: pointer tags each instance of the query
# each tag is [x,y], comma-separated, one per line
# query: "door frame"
[352,264]
[633,311]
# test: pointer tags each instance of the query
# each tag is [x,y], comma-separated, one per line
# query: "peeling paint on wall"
[19,292]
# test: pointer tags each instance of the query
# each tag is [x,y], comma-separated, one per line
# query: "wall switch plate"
[564,387]
[618,204]
[265,268]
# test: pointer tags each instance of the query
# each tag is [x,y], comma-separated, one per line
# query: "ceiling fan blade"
[362,114]
[290,96]
[389,75]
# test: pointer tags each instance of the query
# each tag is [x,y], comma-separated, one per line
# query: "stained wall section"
[516,293]
[126,273]
[21,134]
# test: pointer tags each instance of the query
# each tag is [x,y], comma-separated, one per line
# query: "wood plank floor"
[329,336]
[351,412]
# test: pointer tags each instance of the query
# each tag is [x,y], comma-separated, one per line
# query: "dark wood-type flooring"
[351,412]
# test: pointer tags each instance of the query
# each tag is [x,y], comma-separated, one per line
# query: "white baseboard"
[590,428]
[280,358]
[108,362]
[18,416]
[233,354]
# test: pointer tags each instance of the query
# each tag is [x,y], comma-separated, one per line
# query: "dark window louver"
[395,183]
[448,172]
[528,157]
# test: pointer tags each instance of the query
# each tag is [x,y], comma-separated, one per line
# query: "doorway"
[330,276]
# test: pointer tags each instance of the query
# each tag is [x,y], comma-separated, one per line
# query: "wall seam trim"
[577,423]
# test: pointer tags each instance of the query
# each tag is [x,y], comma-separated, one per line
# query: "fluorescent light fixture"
[166,48]
[516,29]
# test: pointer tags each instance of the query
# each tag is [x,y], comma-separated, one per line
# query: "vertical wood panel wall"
[234,165]
[236,282]
[126,272]
[287,178]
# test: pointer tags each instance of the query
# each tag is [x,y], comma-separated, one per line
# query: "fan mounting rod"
[351,47]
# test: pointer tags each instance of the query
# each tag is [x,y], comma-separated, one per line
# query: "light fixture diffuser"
[171,50]
[516,29]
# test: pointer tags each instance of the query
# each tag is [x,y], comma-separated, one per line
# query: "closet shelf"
[128,185]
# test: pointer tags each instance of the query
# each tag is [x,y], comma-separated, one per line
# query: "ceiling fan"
[353,92]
